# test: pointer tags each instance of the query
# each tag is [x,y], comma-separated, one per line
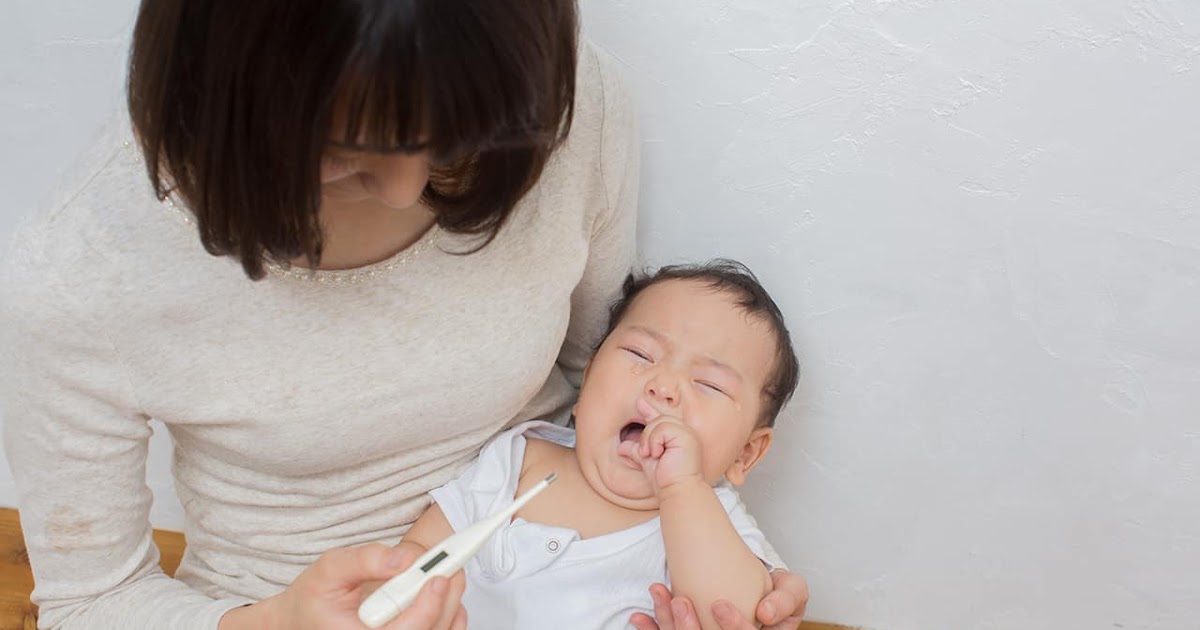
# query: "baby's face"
[681,349]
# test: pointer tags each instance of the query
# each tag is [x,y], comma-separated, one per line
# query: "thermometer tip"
[551,477]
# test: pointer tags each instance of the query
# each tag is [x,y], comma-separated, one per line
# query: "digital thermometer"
[445,559]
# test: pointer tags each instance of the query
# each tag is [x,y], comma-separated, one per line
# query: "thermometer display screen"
[434,562]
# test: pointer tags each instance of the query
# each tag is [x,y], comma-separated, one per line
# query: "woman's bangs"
[452,86]
[380,104]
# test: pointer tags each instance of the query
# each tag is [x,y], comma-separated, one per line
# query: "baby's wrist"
[681,489]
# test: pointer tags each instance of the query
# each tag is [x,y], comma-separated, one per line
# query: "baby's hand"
[668,452]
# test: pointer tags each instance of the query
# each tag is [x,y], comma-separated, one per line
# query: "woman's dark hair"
[735,279]
[233,102]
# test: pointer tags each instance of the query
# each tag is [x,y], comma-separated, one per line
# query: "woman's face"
[395,178]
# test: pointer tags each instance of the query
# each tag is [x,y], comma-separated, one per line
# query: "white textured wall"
[983,220]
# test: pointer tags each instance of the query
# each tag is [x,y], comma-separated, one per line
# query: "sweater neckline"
[355,275]
[358,275]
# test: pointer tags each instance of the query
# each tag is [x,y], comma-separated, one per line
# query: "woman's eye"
[339,164]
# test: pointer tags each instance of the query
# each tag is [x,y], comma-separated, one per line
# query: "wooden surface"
[16,580]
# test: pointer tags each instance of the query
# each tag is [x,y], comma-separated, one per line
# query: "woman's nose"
[397,180]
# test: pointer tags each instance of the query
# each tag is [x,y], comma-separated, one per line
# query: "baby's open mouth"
[632,432]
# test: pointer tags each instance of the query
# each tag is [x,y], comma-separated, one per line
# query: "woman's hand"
[327,594]
[782,608]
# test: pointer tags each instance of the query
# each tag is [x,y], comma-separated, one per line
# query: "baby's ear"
[752,453]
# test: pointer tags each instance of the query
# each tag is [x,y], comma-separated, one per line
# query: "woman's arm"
[612,246]
[77,444]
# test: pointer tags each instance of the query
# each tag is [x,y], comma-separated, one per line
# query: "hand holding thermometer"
[445,559]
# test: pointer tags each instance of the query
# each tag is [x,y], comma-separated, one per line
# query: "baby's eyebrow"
[659,337]
[724,367]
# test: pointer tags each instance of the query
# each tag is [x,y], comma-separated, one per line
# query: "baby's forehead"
[694,292]
[686,290]
[690,297]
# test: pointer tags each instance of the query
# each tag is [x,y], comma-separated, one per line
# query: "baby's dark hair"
[733,278]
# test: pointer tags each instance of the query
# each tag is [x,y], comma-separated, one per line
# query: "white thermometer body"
[444,559]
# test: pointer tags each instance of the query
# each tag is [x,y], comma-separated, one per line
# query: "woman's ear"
[752,452]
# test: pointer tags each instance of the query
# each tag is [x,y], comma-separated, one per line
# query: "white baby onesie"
[530,576]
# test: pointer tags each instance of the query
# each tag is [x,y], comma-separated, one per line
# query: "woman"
[435,201]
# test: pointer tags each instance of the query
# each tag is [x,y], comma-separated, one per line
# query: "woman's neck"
[362,233]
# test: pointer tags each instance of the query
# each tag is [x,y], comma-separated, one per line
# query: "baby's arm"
[706,557]
[429,530]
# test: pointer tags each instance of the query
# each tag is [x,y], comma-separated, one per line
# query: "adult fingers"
[642,621]
[729,618]
[460,619]
[783,608]
[426,610]
[662,607]
[684,614]
[348,567]
[453,601]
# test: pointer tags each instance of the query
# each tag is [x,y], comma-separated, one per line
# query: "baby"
[680,397]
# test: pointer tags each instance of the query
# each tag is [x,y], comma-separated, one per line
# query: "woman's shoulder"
[587,172]
[603,104]
[76,243]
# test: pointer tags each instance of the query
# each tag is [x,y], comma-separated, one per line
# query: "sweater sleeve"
[613,243]
[77,445]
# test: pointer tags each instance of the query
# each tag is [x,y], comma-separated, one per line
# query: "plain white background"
[983,221]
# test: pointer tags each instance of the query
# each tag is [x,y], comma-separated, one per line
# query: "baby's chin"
[641,503]
[620,487]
